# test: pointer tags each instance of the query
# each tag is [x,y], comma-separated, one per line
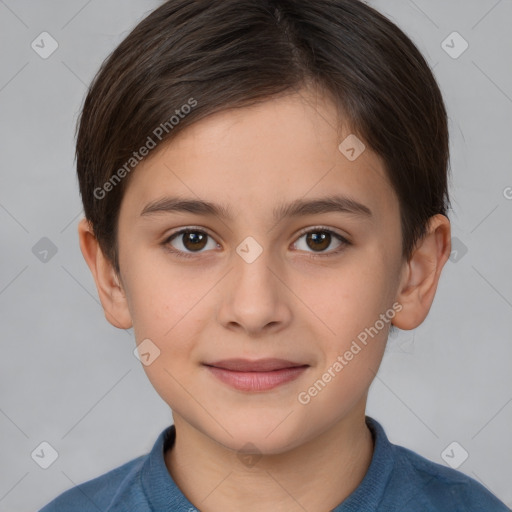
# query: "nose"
[255,299]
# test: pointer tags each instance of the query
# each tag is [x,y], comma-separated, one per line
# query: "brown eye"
[189,241]
[194,240]
[319,240]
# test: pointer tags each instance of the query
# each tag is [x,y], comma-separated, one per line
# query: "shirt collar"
[370,492]
[163,493]
[160,489]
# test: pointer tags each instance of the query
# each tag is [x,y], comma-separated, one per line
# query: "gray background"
[69,378]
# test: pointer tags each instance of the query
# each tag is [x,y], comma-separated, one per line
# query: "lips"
[256,376]
[260,365]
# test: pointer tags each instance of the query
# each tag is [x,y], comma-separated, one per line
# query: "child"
[300,149]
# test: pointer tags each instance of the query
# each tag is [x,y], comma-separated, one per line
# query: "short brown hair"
[232,53]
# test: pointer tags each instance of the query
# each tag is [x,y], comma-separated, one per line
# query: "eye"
[319,239]
[189,241]
[186,242]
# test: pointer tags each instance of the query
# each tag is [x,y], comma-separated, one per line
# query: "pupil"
[321,241]
[195,240]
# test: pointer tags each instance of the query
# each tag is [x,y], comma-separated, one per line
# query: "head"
[304,147]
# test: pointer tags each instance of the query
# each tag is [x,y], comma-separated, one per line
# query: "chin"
[259,438]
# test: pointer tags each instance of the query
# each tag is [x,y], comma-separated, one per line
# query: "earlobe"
[110,291]
[422,272]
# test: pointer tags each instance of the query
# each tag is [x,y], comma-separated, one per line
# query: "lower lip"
[257,381]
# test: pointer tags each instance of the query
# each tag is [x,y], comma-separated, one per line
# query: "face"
[297,256]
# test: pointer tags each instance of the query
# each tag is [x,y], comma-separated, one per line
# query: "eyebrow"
[297,208]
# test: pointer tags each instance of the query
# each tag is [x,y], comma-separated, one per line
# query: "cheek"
[173,333]
[169,308]
[349,298]
[162,294]
[352,336]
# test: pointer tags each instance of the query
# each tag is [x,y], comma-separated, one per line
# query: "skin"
[286,304]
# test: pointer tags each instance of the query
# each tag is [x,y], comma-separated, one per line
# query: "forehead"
[254,158]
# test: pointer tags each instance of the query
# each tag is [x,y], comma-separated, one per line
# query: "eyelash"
[317,229]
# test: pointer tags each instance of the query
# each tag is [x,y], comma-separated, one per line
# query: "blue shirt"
[398,479]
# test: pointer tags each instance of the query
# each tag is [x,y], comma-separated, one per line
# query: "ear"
[421,273]
[110,291]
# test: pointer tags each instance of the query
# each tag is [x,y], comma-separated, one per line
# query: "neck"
[213,478]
